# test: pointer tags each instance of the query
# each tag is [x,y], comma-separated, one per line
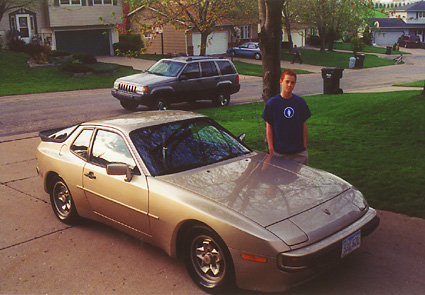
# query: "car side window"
[252,46]
[192,70]
[226,67]
[80,146]
[109,147]
[209,69]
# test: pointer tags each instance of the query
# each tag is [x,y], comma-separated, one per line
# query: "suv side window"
[209,69]
[80,146]
[192,71]
[226,67]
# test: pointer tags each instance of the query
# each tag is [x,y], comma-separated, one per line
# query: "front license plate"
[351,243]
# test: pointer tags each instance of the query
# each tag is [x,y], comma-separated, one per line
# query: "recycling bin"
[352,63]
[331,77]
[389,48]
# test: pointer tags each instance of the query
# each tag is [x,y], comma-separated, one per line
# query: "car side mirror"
[241,137]
[184,77]
[119,169]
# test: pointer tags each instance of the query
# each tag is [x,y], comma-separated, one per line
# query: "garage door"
[216,43]
[95,42]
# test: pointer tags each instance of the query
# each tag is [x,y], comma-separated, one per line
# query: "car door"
[242,50]
[210,78]
[111,196]
[189,85]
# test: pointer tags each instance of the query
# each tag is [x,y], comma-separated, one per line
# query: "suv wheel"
[129,105]
[223,98]
[162,104]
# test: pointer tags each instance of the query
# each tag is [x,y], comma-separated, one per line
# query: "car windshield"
[166,68]
[185,145]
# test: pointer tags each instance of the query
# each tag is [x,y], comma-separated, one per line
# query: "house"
[73,25]
[186,41]
[404,20]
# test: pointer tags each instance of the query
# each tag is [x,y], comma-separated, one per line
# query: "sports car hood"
[273,191]
[145,79]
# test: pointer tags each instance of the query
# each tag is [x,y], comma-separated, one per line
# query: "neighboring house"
[73,25]
[405,20]
[169,40]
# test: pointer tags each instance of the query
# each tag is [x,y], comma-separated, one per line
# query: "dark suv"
[409,41]
[179,79]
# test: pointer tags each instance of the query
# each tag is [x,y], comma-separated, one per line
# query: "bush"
[60,53]
[129,45]
[357,45]
[17,45]
[84,58]
[76,67]
[38,52]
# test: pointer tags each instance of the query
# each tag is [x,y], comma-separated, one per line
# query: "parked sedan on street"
[249,49]
[180,181]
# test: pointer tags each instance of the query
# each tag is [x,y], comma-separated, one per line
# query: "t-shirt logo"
[288,112]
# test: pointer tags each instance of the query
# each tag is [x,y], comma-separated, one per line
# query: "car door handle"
[90,175]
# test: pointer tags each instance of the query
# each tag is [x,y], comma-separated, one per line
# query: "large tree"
[270,12]
[201,15]
[10,5]
[332,17]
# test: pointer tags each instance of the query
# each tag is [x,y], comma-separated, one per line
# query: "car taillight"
[237,79]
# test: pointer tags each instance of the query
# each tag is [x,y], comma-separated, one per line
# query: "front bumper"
[143,99]
[269,277]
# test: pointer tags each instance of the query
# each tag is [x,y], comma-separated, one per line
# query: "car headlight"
[356,197]
[142,89]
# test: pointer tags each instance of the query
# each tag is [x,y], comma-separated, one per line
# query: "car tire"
[222,99]
[257,56]
[232,53]
[129,105]
[62,202]
[162,104]
[208,260]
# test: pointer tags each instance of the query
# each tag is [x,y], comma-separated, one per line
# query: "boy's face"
[288,84]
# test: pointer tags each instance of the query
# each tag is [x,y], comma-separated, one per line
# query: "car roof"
[195,58]
[130,122]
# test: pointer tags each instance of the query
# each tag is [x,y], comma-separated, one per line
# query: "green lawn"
[17,77]
[336,58]
[373,140]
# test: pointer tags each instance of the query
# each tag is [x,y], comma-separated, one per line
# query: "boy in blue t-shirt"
[286,115]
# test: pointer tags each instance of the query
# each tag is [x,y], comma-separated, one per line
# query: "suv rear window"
[226,67]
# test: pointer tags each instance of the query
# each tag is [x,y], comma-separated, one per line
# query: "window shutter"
[90,2]
[115,2]
[56,3]
[83,3]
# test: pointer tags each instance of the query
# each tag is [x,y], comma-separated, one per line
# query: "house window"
[70,2]
[12,23]
[245,32]
[102,2]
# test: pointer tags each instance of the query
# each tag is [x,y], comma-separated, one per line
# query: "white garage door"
[216,43]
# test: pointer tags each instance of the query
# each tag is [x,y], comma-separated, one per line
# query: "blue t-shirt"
[287,117]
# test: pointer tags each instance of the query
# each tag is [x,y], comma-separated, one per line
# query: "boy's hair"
[287,72]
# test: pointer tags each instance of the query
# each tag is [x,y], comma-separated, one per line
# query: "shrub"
[84,58]
[17,45]
[357,44]
[76,67]
[38,52]
[60,53]
[129,45]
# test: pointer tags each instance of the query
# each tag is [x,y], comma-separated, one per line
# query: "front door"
[25,27]
[110,196]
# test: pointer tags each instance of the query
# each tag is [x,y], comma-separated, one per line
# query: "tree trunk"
[204,38]
[423,91]
[322,35]
[270,42]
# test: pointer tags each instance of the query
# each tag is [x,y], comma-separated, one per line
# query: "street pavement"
[40,255]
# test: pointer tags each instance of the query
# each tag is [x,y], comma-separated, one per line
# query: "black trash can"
[359,61]
[389,48]
[331,77]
